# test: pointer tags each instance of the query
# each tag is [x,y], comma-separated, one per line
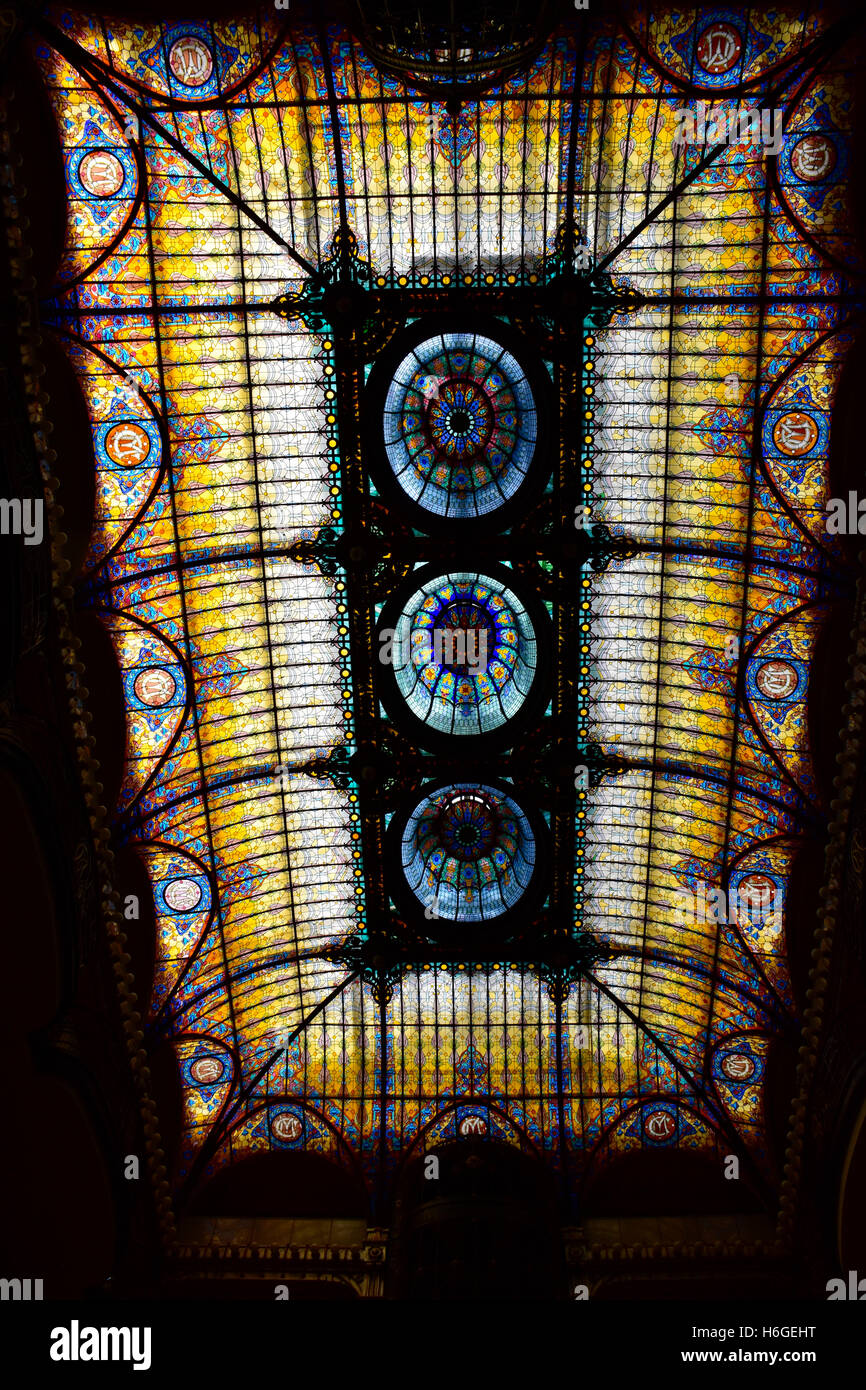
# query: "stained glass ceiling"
[236,190]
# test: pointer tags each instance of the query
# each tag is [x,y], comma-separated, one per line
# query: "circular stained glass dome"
[468,852]
[464,653]
[460,424]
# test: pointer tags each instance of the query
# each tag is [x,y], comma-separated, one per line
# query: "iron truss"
[361,312]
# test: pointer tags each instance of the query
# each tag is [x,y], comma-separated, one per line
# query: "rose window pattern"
[465,654]
[468,853]
[460,425]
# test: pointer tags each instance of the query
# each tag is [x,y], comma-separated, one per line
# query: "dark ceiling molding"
[72,670]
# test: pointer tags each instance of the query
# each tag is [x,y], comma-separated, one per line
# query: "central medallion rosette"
[460,419]
[460,425]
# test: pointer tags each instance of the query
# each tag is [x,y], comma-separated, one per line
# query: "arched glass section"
[468,852]
[465,654]
[219,294]
[460,425]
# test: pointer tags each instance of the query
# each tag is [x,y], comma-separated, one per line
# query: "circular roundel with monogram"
[154,686]
[659,1126]
[776,679]
[813,158]
[104,176]
[287,1126]
[101,173]
[190,60]
[795,433]
[182,894]
[719,48]
[128,444]
[738,1067]
[207,1070]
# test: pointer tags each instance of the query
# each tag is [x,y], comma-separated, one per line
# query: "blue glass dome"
[468,852]
[464,654]
[460,425]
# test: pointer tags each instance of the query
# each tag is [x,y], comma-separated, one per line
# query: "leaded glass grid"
[205,186]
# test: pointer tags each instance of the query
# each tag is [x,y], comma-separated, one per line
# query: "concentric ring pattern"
[468,852]
[460,425]
[465,654]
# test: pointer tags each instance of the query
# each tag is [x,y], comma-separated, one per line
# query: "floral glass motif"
[460,425]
